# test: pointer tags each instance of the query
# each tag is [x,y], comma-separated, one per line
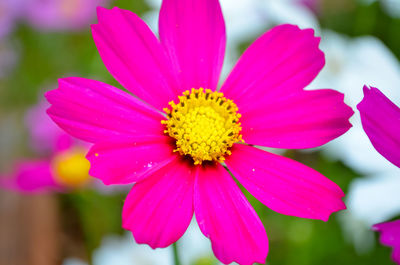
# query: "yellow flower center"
[205,125]
[71,168]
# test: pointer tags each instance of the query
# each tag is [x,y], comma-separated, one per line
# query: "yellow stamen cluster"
[71,169]
[205,125]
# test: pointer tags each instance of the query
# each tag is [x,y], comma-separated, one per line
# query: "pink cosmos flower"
[390,236]
[173,151]
[50,15]
[381,122]
[63,166]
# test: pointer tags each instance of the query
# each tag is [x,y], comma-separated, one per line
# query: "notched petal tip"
[340,207]
[366,89]
[376,227]
[309,31]
[349,112]
[100,11]
[369,91]
[105,15]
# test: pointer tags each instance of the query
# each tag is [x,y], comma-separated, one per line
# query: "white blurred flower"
[357,232]
[351,63]
[288,11]
[371,200]
[73,261]
[392,7]
[376,198]
[194,246]
[117,250]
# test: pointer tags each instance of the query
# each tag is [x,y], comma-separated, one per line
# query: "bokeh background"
[43,40]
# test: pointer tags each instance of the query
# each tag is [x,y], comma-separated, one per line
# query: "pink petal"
[31,177]
[304,119]
[225,216]
[193,33]
[284,185]
[390,236]
[93,111]
[134,56]
[130,159]
[158,209]
[282,61]
[381,122]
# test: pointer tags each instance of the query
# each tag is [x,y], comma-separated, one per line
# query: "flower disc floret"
[205,125]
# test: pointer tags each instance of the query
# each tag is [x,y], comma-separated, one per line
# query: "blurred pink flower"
[55,15]
[174,158]
[63,165]
[381,122]
[64,170]
[10,11]
[31,176]
[390,236]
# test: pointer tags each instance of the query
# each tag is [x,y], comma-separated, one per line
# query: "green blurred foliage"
[90,215]
[45,57]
